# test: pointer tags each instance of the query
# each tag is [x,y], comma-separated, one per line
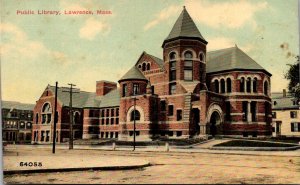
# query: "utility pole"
[55,119]
[71,115]
[134,103]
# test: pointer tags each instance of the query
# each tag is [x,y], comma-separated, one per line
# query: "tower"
[184,52]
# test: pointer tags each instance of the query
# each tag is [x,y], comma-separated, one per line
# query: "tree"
[293,76]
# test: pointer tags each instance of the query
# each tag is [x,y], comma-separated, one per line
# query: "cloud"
[232,15]
[93,27]
[162,16]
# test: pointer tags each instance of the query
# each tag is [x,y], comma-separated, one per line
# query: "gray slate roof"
[184,27]
[159,61]
[229,59]
[132,74]
[16,105]
[283,102]
[78,99]
[88,99]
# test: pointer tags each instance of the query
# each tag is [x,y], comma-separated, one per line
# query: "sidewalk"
[172,149]
[53,163]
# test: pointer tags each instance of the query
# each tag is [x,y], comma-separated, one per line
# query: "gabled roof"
[16,105]
[78,99]
[157,60]
[184,27]
[133,74]
[279,102]
[230,59]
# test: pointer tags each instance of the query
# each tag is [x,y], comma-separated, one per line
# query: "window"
[170,133]
[107,112]
[148,66]
[266,87]
[163,105]
[228,81]
[216,86]
[29,115]
[255,85]
[170,110]
[116,134]
[135,115]
[107,121]
[124,92]
[293,114]
[201,56]
[172,70]
[102,121]
[111,121]
[295,127]
[136,89]
[22,125]
[140,66]
[117,112]
[46,113]
[275,102]
[77,117]
[253,111]
[228,111]
[137,133]
[267,111]
[102,113]
[42,135]
[179,115]
[245,110]
[152,89]
[273,114]
[111,135]
[172,88]
[242,84]
[28,125]
[47,135]
[130,133]
[188,66]
[144,67]
[106,134]
[248,85]
[117,121]
[222,86]
[112,112]
[36,118]
[179,133]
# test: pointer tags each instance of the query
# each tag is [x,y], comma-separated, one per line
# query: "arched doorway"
[215,120]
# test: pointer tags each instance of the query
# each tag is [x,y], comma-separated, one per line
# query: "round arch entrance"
[215,120]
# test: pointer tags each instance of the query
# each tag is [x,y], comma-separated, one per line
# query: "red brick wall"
[104,87]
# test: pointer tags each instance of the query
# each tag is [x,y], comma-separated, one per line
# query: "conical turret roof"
[133,74]
[184,27]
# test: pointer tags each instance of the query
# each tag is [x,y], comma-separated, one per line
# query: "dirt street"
[179,168]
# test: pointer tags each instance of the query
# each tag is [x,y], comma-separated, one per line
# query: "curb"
[256,148]
[104,168]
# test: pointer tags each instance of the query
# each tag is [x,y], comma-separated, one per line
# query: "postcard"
[150,92]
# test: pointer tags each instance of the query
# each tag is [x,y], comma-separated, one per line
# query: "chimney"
[284,93]
[103,87]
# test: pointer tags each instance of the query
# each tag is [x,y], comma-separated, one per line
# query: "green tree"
[293,76]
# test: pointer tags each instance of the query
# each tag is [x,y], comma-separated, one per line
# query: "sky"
[37,50]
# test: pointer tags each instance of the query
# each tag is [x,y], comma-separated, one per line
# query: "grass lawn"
[242,143]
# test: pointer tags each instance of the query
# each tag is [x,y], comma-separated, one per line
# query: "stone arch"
[176,54]
[138,108]
[189,50]
[214,108]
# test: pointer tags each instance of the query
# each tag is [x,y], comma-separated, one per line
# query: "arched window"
[216,86]
[228,81]
[188,66]
[188,55]
[222,86]
[255,85]
[172,66]
[148,66]
[135,114]
[172,56]
[242,84]
[266,87]
[46,113]
[248,84]
[76,117]
[143,67]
